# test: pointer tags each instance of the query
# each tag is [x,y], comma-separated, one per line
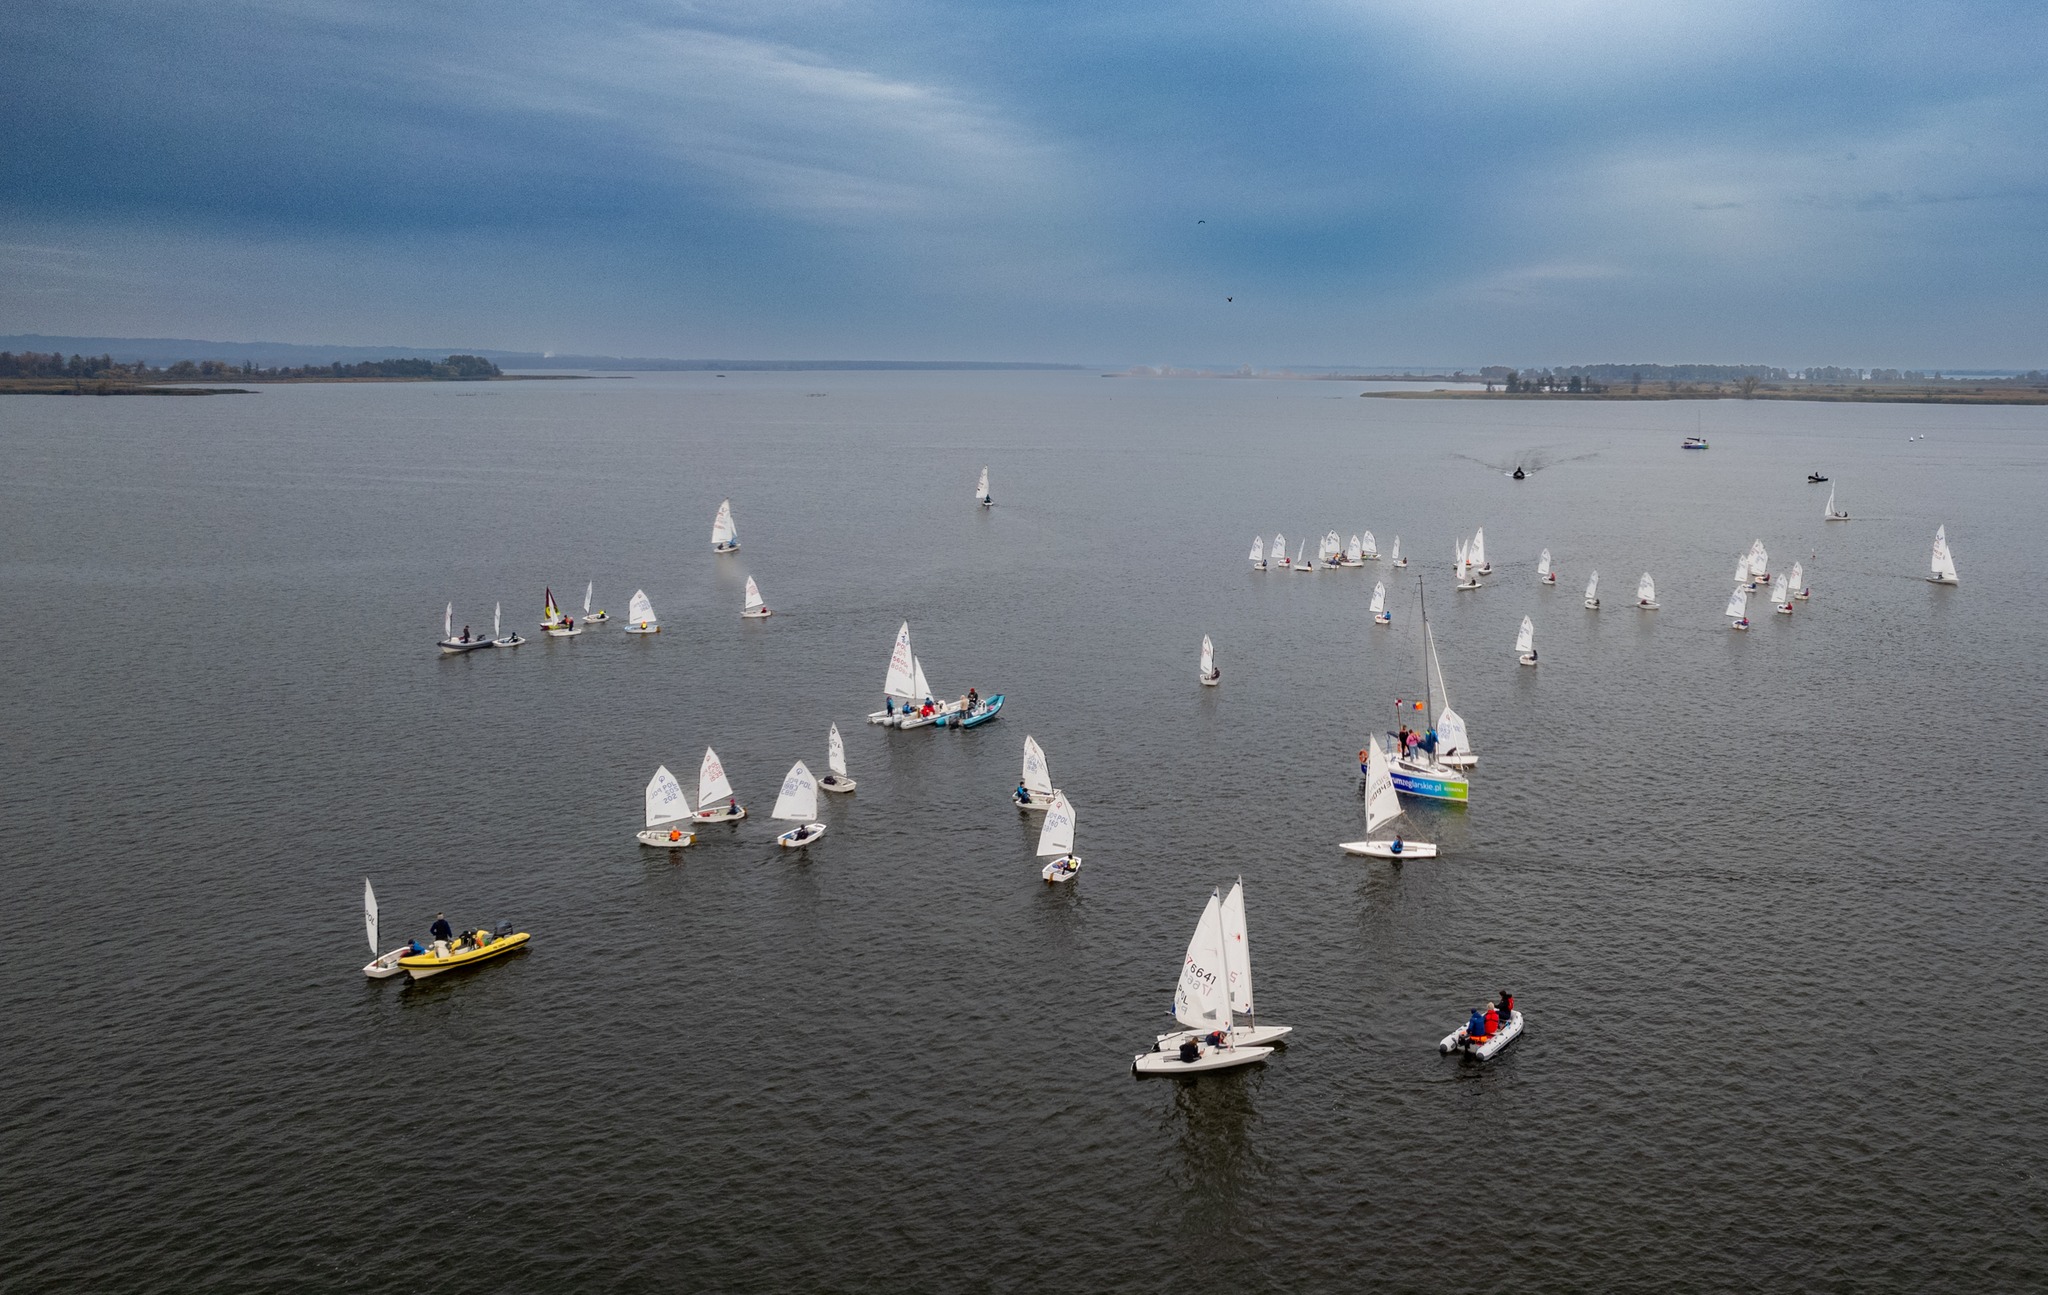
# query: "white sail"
[722,529]
[497,619]
[798,802]
[1394,554]
[665,801]
[589,591]
[1593,586]
[1543,564]
[1258,548]
[1451,737]
[1742,571]
[1354,551]
[1057,836]
[1330,547]
[1759,558]
[1382,802]
[448,622]
[1279,547]
[900,682]
[1208,656]
[1237,950]
[754,602]
[1779,594]
[1738,603]
[1371,549]
[981,486]
[642,611]
[924,688]
[1479,547]
[1525,638]
[1201,1001]
[835,752]
[1646,589]
[1463,558]
[1037,778]
[711,783]
[1299,551]
[1828,509]
[1944,561]
[1379,598]
[370,915]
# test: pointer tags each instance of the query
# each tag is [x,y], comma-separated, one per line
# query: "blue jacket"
[1477,1025]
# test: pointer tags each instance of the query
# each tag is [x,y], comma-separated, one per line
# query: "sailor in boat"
[973,700]
[1190,1050]
[440,930]
[1394,846]
[1507,1007]
[1519,474]
[889,706]
[1023,793]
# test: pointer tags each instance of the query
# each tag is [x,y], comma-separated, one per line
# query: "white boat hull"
[1065,868]
[1646,605]
[797,838]
[509,641]
[1385,849]
[565,634]
[732,547]
[456,647]
[1038,803]
[1592,604]
[643,629]
[1456,1041]
[1208,682]
[1244,1036]
[1169,1063]
[1942,580]
[1468,584]
[1381,618]
[659,838]
[1739,625]
[1526,659]
[1803,595]
[833,782]
[938,716]
[720,814]
[1783,609]
[385,965]
[761,615]
[888,717]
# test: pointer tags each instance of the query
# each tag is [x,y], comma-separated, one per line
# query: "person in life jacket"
[1507,1007]
[1492,1021]
[1475,1029]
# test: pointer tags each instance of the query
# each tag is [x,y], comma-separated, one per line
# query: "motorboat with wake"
[1202,1003]
[1237,962]
[972,711]
[667,810]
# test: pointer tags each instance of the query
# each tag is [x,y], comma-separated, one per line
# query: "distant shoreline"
[1926,395]
[174,387]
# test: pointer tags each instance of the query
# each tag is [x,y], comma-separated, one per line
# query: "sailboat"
[1781,596]
[1210,675]
[798,803]
[453,646]
[1828,513]
[712,788]
[1035,783]
[555,623]
[835,760]
[1525,642]
[1237,962]
[1394,554]
[755,610]
[1379,605]
[1280,549]
[383,965]
[1467,578]
[1759,561]
[1354,553]
[941,712]
[1944,561]
[550,615]
[1370,549]
[1201,1002]
[1453,743]
[1258,553]
[1544,573]
[1797,584]
[1646,593]
[981,494]
[1745,580]
[900,686]
[1302,562]
[725,537]
[667,811]
[1737,609]
[1479,562]
[1331,551]
[640,618]
[1424,774]
[1593,592]
[598,617]
[1383,806]
[1057,838]
[498,636]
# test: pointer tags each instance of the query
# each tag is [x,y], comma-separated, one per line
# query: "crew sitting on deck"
[1394,847]
[1213,1038]
[1190,1050]
[1492,1021]
[1023,793]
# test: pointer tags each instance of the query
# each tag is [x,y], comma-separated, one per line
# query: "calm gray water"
[1773,902]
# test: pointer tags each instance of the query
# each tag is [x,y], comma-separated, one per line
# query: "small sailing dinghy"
[1828,513]
[1280,549]
[981,494]
[1485,1049]
[450,645]
[598,617]
[1759,561]
[1370,549]
[900,685]
[1781,596]
[1944,561]
[1034,785]
[1737,609]
[1207,670]
[1258,553]
[640,618]
[1354,553]
[1394,554]
[1383,806]
[926,711]
[725,537]
[1303,563]
[755,608]
[1798,583]
[383,965]
[498,636]
[1057,838]
[1593,592]
[835,760]
[1468,577]
[1544,573]
[1237,960]
[1479,563]
[1646,593]
[667,810]
[1201,1002]
[798,803]
[550,615]
[1331,551]
[1379,605]
[712,788]
[1743,578]
[1525,642]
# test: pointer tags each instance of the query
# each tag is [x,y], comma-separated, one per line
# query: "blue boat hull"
[989,710]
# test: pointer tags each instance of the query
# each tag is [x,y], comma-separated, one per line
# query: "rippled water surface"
[1772,902]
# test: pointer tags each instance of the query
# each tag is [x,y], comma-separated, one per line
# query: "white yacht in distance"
[1944,561]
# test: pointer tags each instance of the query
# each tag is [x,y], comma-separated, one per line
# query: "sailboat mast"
[1428,702]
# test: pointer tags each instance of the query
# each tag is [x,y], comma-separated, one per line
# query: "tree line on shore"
[32,364]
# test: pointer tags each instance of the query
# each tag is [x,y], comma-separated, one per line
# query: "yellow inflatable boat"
[442,956]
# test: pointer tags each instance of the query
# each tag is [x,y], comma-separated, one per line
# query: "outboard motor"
[504,929]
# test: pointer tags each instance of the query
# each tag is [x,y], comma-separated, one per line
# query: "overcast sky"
[1388,181]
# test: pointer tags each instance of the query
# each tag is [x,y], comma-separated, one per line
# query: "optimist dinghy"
[1258,553]
[450,645]
[1201,1002]
[1303,563]
[1035,789]
[384,965]
[1646,593]
[1057,838]
[1394,554]
[1354,553]
[1485,1049]
[640,617]
[900,686]
[798,803]
[1379,604]
[1369,549]
[550,615]
[1781,596]
[712,788]
[1944,561]
[1206,669]
[1468,576]
[466,951]
[666,811]
[1383,806]
[1544,573]
[1525,642]
[755,608]
[1737,609]
[598,617]
[1480,566]
[1593,592]
[1237,960]
[981,494]
[500,639]
[1280,550]
[1828,512]
[835,760]
[725,537]
[1797,583]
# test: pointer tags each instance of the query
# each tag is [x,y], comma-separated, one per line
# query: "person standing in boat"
[440,930]
[973,700]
